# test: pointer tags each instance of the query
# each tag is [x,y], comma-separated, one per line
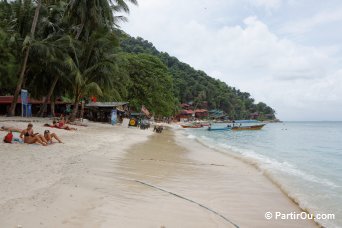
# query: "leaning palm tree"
[51,62]
[26,45]
[93,67]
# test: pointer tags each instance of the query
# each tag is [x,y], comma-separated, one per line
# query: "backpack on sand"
[8,138]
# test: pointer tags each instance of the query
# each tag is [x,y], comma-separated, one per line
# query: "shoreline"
[105,176]
[255,165]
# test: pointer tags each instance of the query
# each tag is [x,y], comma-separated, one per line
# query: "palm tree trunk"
[79,32]
[53,107]
[11,111]
[82,111]
[48,97]
[75,109]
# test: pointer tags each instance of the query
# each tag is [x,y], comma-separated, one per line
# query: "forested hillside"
[196,86]
[75,50]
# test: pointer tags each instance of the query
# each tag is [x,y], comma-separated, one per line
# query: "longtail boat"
[248,128]
[219,129]
[192,126]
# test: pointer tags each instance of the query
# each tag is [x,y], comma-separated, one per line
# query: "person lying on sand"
[49,136]
[31,138]
[60,126]
[12,129]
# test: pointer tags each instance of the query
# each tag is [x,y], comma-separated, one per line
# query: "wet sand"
[119,177]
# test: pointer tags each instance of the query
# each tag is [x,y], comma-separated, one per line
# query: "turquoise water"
[303,158]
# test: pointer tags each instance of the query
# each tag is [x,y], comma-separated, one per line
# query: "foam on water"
[301,159]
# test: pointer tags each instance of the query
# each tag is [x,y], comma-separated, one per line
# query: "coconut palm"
[93,66]
[26,44]
[49,62]
[87,16]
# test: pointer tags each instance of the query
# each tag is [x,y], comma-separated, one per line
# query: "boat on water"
[248,128]
[219,128]
[192,126]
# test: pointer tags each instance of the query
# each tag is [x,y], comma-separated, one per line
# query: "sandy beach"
[105,176]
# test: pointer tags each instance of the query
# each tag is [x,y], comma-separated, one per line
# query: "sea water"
[303,158]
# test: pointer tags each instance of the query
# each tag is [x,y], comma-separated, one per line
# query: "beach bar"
[101,111]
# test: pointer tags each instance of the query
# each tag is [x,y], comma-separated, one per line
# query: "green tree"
[151,84]
[26,45]
[93,68]
[87,16]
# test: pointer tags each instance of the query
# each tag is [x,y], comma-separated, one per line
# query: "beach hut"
[254,115]
[102,111]
[201,113]
[185,115]
[216,114]
[5,103]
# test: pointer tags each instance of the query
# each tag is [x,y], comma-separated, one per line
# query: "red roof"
[185,105]
[9,99]
[187,112]
[200,110]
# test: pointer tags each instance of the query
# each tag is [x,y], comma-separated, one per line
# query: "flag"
[145,111]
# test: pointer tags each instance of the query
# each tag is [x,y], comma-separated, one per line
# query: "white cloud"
[268,4]
[307,24]
[297,80]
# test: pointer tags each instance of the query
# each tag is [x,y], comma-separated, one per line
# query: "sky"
[286,53]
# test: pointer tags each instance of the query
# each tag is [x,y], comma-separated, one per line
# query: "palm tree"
[27,41]
[51,51]
[93,67]
[87,16]
[49,63]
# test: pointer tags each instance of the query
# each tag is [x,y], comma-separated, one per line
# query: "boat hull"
[249,128]
[184,126]
[220,129]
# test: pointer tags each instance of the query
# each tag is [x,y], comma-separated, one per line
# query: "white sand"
[91,181]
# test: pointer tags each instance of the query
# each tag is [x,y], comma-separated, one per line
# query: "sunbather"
[30,137]
[49,136]
[12,129]
[60,126]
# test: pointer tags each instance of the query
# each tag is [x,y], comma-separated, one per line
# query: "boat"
[192,126]
[219,129]
[248,128]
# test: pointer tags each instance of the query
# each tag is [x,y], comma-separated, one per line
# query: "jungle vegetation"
[75,49]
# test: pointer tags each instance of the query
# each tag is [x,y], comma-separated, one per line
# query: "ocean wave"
[288,177]
[191,136]
[265,163]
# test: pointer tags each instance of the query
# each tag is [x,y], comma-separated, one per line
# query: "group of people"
[28,136]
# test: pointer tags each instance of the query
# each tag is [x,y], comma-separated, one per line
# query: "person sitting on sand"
[31,138]
[61,121]
[49,136]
